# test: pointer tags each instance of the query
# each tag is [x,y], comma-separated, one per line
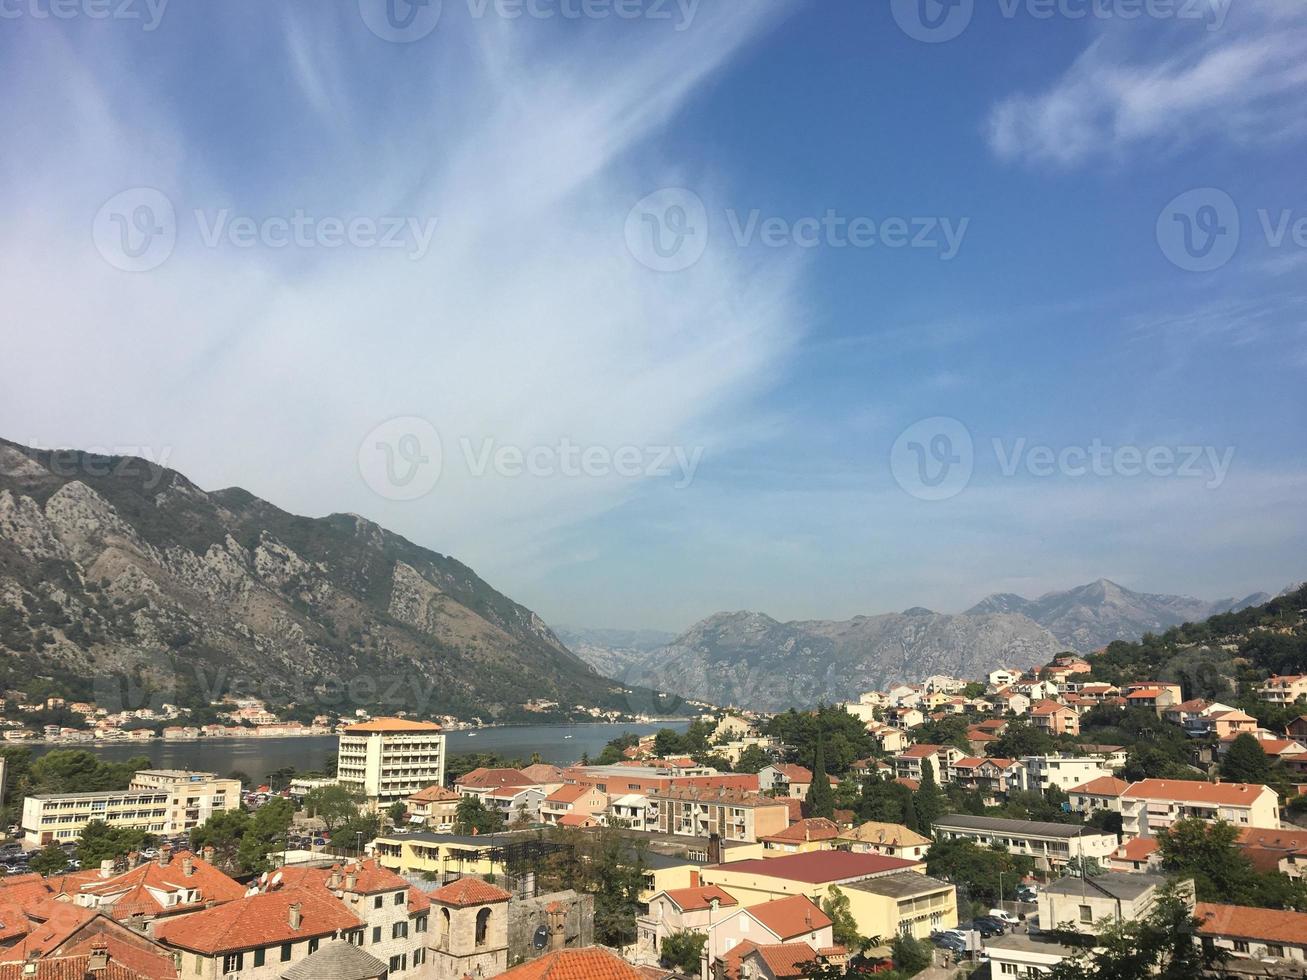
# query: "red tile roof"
[1102,786]
[569,793]
[698,899]
[134,891]
[795,774]
[819,867]
[590,963]
[483,778]
[391,726]
[786,960]
[1240,921]
[578,820]
[435,794]
[1192,791]
[146,958]
[1136,849]
[921,751]
[469,891]
[815,828]
[789,917]
[260,920]
[370,878]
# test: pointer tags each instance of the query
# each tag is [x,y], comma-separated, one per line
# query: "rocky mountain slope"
[125,581]
[750,659]
[1093,615]
[612,652]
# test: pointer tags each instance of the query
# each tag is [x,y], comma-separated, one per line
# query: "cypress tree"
[821,798]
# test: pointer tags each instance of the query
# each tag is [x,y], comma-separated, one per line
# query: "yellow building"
[886,895]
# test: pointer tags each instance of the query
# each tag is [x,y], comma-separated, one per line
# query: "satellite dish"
[541,938]
[252,890]
[276,879]
[263,878]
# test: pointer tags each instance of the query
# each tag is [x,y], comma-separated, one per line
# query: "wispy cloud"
[1164,86]
[527,322]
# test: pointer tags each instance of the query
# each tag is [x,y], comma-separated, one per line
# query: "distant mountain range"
[750,659]
[124,581]
[612,651]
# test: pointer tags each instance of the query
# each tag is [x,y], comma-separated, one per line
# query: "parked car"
[1027,893]
[988,927]
[950,941]
[1004,916]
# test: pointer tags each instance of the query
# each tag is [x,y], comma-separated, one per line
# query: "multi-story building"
[1283,689]
[911,764]
[158,801]
[890,839]
[734,814]
[1053,718]
[572,799]
[1244,934]
[434,807]
[1151,805]
[390,759]
[1102,793]
[1052,845]
[785,779]
[1043,772]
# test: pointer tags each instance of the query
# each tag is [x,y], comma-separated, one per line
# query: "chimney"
[333,879]
[295,916]
[351,879]
[188,865]
[714,848]
[694,879]
[106,868]
[209,852]
[98,961]
[165,855]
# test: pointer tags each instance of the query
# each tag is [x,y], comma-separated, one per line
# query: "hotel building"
[389,759]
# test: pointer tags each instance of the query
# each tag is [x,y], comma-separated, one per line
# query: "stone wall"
[575,913]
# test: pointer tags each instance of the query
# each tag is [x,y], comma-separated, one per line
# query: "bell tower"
[469,930]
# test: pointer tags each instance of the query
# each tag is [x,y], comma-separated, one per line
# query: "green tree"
[821,799]
[1245,762]
[333,804]
[1163,945]
[1208,853]
[1019,739]
[752,759]
[100,842]
[397,812]
[930,801]
[911,956]
[472,817]
[843,735]
[223,832]
[358,831]
[49,860]
[977,870]
[839,909]
[266,834]
[683,951]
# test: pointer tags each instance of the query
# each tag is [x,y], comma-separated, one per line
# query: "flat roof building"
[390,759]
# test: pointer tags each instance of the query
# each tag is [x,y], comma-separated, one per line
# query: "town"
[1019,823]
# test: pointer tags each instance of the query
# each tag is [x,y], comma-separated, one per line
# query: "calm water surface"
[559,744]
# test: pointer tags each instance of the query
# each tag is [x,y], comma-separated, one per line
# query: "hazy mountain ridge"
[612,652]
[112,566]
[750,659]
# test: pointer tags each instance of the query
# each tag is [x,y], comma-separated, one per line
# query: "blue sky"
[810,427]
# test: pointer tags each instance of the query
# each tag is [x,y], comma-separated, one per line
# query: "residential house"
[1011,701]
[1283,850]
[784,920]
[1053,718]
[891,740]
[694,909]
[1152,805]
[1002,677]
[905,717]
[433,808]
[1297,728]
[1228,724]
[572,799]
[994,776]
[911,764]
[1135,855]
[631,810]
[811,834]
[1155,695]
[1097,692]
[733,814]
[515,804]
[891,839]
[171,884]
[1052,845]
[785,779]
[1061,771]
[1101,793]
[1245,933]
[1283,689]
[789,961]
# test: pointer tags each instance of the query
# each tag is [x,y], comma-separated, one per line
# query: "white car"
[1004,916]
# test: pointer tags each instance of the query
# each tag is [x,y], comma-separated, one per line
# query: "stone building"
[469,930]
[560,920]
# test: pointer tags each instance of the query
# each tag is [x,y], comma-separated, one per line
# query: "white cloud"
[527,322]
[1163,86]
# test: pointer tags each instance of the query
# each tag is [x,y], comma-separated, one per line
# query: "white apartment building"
[1063,772]
[389,759]
[1152,805]
[1052,845]
[158,801]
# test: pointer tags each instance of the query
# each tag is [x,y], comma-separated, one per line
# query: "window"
[1009,969]
[483,926]
[1086,914]
[259,955]
[399,898]
[398,963]
[313,946]
[377,902]
[1273,950]
[1240,946]
[232,962]
[399,930]
[285,952]
[376,934]
[420,924]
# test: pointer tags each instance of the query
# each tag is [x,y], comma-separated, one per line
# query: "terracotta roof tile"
[259,920]
[1268,925]
[575,964]
[785,960]
[789,917]
[469,891]
[1102,786]
[391,726]
[814,828]
[1229,794]
[698,899]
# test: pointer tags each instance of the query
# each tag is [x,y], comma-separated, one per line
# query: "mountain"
[749,659]
[612,652]
[122,580]
[1093,615]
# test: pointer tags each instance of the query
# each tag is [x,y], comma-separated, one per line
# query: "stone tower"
[469,930]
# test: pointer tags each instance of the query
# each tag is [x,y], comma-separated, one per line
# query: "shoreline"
[192,740]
